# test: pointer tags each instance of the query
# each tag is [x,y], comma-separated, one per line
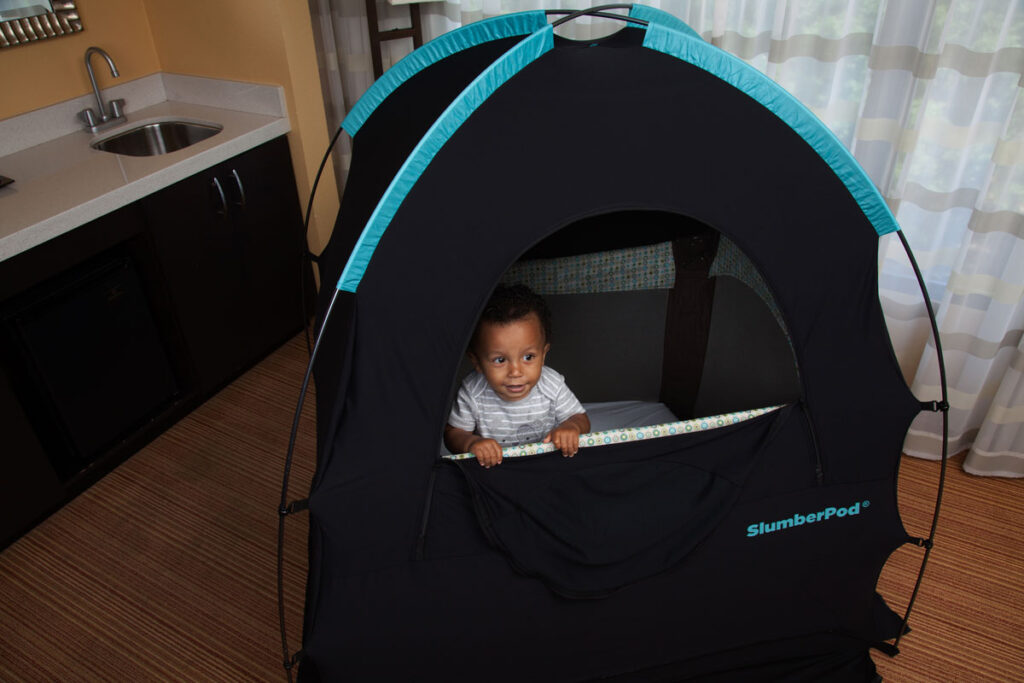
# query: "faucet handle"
[116,109]
[88,117]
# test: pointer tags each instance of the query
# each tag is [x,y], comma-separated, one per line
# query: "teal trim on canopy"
[475,94]
[653,15]
[746,78]
[477,33]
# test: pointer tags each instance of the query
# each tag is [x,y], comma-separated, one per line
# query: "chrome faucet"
[96,121]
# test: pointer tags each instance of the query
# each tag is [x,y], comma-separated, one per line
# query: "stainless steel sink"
[157,138]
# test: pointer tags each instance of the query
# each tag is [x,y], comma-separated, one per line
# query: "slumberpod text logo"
[829,513]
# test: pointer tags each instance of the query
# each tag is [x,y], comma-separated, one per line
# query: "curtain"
[927,96]
[346,68]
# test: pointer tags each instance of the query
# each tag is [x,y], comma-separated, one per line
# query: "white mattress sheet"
[620,414]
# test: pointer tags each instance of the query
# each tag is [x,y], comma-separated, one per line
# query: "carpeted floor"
[165,570]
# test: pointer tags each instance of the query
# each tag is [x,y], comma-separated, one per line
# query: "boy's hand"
[566,438]
[487,452]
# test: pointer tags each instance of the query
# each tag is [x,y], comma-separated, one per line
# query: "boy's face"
[510,356]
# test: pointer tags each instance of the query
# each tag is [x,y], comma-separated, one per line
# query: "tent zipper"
[422,540]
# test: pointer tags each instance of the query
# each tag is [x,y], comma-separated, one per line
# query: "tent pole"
[600,11]
[942,406]
[307,254]
[284,509]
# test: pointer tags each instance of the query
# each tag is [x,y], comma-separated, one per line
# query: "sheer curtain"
[927,96]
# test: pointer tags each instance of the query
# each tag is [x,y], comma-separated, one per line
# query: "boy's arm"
[487,451]
[566,435]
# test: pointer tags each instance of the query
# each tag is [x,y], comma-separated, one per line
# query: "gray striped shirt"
[479,410]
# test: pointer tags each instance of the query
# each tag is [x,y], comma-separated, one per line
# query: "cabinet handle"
[223,210]
[241,190]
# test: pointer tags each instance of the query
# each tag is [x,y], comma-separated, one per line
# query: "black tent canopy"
[749,550]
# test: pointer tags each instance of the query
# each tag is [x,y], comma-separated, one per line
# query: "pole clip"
[290,663]
[294,506]
[925,543]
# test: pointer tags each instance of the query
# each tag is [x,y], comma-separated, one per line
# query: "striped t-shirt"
[479,410]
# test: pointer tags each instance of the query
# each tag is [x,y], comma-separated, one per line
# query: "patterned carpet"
[165,570]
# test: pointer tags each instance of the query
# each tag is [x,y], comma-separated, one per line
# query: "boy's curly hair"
[514,302]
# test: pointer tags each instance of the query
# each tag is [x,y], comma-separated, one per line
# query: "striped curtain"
[927,96]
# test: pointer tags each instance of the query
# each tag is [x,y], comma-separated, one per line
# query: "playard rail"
[627,434]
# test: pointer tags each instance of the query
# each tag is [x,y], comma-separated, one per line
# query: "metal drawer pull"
[223,210]
[241,190]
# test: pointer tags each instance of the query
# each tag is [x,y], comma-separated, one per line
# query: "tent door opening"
[652,306]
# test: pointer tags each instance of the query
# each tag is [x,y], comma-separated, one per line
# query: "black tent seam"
[425,520]
[819,470]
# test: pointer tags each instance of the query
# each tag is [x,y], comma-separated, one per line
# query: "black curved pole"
[306,254]
[599,11]
[944,407]
[283,509]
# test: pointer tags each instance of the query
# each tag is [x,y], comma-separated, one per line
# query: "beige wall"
[39,74]
[260,41]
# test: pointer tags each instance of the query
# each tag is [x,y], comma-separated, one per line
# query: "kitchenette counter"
[62,183]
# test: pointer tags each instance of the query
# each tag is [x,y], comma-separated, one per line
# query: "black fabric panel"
[687,322]
[619,513]
[810,659]
[332,369]
[791,474]
[749,363]
[617,230]
[386,138]
[609,345]
[821,657]
[465,613]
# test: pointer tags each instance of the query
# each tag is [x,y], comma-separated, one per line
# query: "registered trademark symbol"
[866,504]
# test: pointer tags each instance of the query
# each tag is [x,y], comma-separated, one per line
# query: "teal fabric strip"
[482,87]
[477,33]
[744,77]
[656,16]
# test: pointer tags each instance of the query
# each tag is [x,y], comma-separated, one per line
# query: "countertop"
[63,183]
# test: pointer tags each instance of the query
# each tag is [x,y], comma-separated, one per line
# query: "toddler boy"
[513,398]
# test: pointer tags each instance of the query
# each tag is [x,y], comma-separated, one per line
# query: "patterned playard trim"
[617,270]
[627,434]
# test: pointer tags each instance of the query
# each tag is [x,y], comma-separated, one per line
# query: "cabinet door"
[29,488]
[230,243]
[197,245]
[264,205]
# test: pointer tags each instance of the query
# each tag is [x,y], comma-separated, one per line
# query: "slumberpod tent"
[709,250]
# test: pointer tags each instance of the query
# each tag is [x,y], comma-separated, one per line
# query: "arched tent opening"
[656,319]
[684,313]
[670,539]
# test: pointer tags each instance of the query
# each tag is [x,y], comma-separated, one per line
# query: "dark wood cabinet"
[114,331]
[29,486]
[231,252]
